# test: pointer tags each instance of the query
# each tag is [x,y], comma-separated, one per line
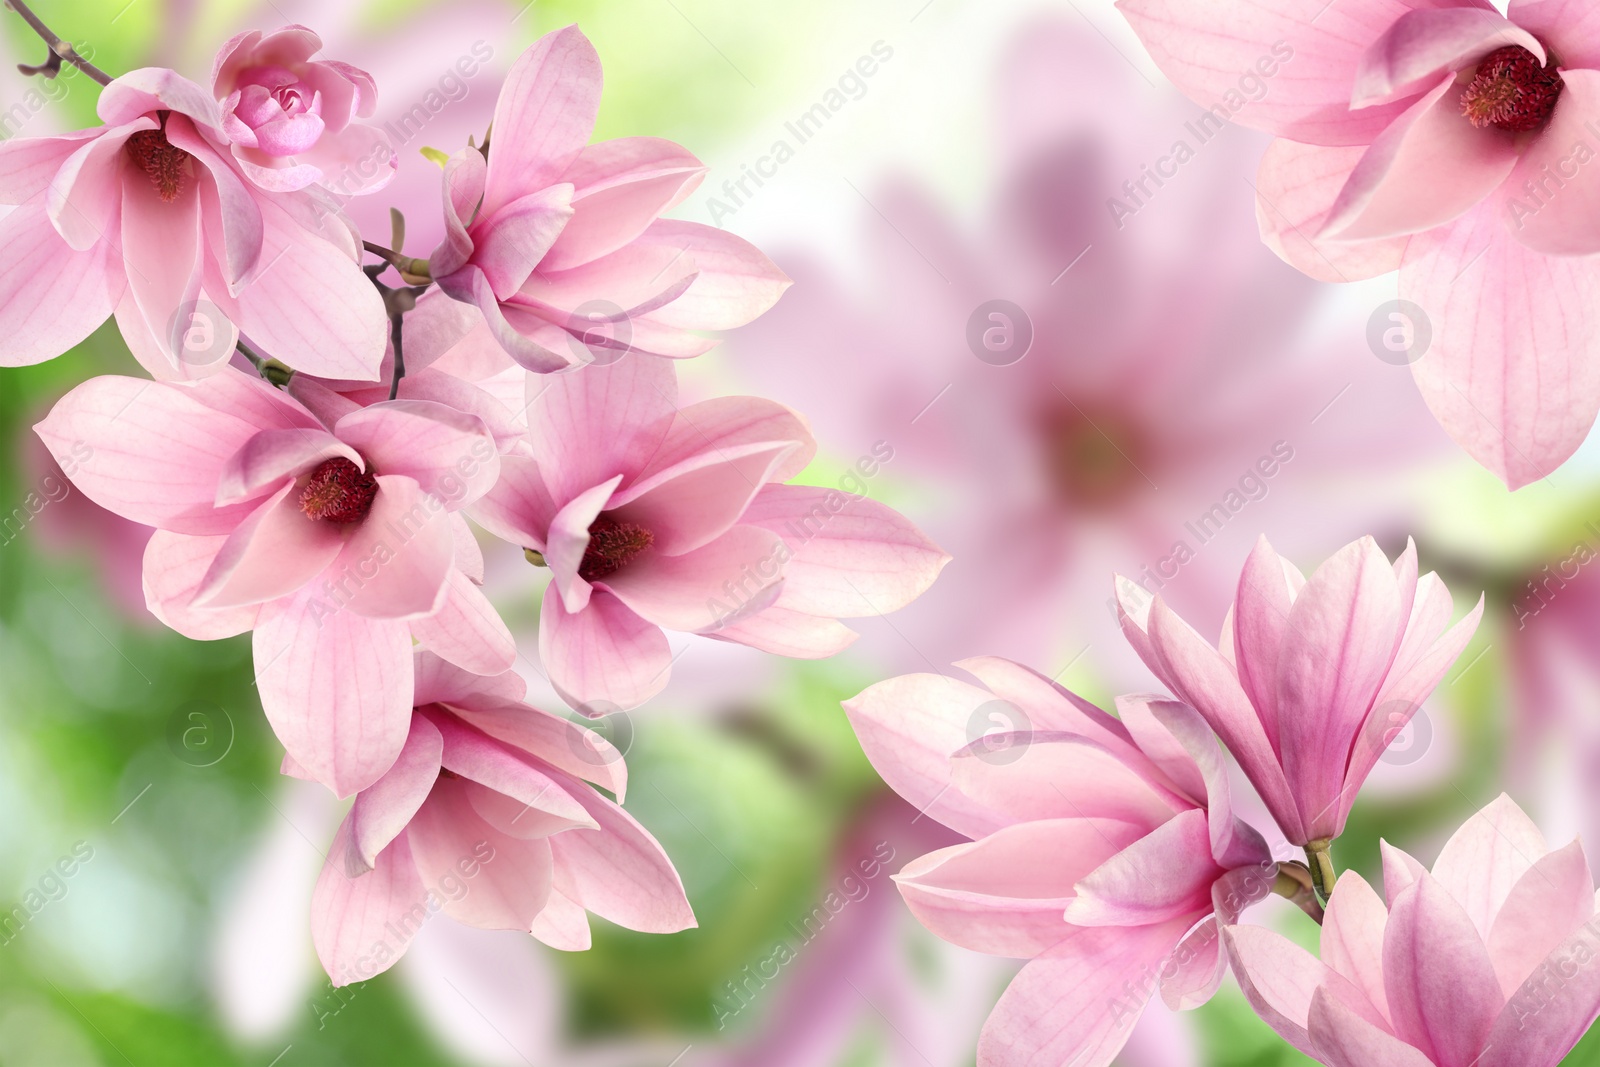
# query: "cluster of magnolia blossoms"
[309,462]
[1104,849]
[1447,141]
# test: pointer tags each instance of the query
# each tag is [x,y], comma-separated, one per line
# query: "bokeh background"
[909,163]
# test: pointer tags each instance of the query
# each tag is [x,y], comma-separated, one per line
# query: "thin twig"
[395,332]
[58,47]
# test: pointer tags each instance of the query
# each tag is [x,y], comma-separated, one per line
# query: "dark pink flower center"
[612,546]
[1512,90]
[339,491]
[162,161]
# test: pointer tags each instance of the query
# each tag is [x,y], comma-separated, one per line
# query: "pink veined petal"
[1077,1003]
[512,243]
[336,688]
[1233,843]
[784,632]
[395,561]
[230,205]
[1200,963]
[563,924]
[467,630]
[908,727]
[1158,743]
[1570,27]
[435,326]
[534,343]
[563,744]
[1004,894]
[29,164]
[1352,937]
[1207,46]
[361,926]
[514,818]
[1552,1010]
[1343,1038]
[733,577]
[174,565]
[161,250]
[852,556]
[1484,861]
[1545,907]
[311,306]
[356,161]
[1280,978]
[519,508]
[729,421]
[448,453]
[468,398]
[1430,168]
[1443,995]
[1165,875]
[274,455]
[148,89]
[84,199]
[734,282]
[545,114]
[688,506]
[1051,706]
[317,397]
[155,452]
[622,186]
[1341,638]
[603,658]
[1425,44]
[1260,623]
[54,297]
[382,810]
[620,872]
[1513,373]
[596,422]
[272,553]
[1563,219]
[1206,683]
[1295,191]
[1061,776]
[440,682]
[462,188]
[1400,870]
[511,879]
[568,541]
[475,755]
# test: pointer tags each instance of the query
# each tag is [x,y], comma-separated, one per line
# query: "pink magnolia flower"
[149,218]
[292,118]
[335,541]
[1311,679]
[486,816]
[560,244]
[1447,141]
[653,517]
[1488,960]
[1104,850]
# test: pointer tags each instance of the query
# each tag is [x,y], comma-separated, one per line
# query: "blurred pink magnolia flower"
[560,245]
[1154,401]
[292,118]
[653,517]
[1447,141]
[149,218]
[335,542]
[1105,851]
[486,816]
[1486,961]
[1311,680]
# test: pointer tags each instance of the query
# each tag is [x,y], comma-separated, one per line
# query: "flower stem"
[396,329]
[59,49]
[1319,858]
